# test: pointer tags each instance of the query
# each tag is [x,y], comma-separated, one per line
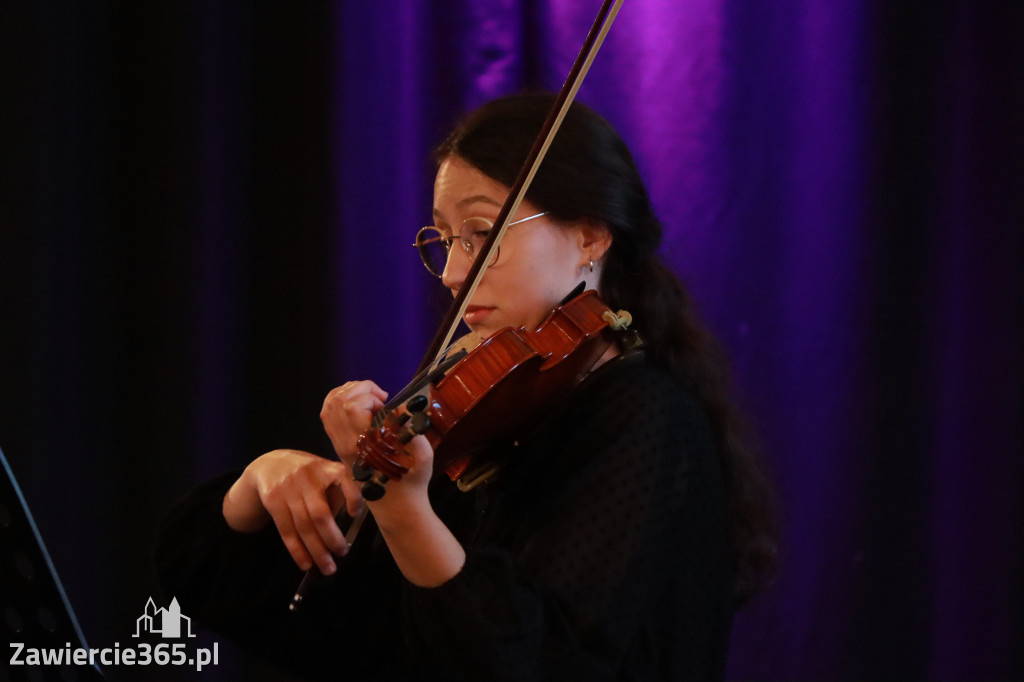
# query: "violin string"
[418,383]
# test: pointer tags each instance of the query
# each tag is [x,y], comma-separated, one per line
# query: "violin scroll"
[385,447]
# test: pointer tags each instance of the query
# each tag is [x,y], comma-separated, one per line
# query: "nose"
[455,269]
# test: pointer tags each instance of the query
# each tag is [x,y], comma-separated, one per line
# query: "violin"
[476,399]
[466,402]
[490,395]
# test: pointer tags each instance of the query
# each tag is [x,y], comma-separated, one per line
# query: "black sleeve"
[240,585]
[602,551]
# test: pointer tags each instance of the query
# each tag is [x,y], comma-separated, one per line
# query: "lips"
[476,314]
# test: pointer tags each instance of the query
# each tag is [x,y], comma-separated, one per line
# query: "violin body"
[495,394]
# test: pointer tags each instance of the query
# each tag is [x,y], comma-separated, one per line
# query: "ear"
[594,241]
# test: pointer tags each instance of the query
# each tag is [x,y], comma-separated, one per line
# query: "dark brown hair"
[589,174]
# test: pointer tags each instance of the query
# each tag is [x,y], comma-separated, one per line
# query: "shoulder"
[628,422]
[630,456]
[634,396]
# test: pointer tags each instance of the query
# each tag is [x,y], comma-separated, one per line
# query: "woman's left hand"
[423,547]
[347,413]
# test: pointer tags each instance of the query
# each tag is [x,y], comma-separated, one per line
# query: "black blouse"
[599,552]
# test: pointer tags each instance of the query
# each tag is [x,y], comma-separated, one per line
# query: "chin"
[485,332]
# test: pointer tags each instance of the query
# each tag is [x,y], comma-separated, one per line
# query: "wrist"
[426,552]
[242,509]
[401,513]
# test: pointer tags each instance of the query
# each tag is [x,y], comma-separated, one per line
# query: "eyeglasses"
[434,247]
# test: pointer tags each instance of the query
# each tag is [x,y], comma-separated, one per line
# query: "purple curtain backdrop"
[758,129]
[207,221]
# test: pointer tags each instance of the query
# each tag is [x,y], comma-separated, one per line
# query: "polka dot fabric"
[602,545]
[598,553]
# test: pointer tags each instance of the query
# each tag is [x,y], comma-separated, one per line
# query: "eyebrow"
[476,198]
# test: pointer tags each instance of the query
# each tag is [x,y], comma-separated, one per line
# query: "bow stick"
[598,31]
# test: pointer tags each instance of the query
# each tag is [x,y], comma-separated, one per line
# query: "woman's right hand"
[301,493]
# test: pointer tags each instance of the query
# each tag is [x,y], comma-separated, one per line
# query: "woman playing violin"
[611,542]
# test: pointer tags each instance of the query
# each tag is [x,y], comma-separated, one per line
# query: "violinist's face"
[540,261]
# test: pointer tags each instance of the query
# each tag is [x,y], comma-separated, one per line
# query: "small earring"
[591,264]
